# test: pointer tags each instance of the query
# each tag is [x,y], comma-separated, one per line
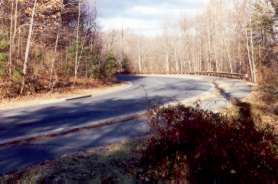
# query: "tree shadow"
[111,164]
[17,157]
[244,108]
[130,78]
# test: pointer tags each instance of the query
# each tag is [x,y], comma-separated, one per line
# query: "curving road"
[144,92]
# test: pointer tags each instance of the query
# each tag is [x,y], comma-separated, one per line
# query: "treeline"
[49,44]
[227,36]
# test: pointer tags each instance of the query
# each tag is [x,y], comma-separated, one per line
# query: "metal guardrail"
[222,74]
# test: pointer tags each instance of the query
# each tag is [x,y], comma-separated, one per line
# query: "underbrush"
[203,147]
[40,86]
[264,103]
[116,163]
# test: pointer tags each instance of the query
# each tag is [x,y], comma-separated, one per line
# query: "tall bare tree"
[28,46]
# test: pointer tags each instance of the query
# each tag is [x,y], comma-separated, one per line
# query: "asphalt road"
[17,157]
[145,92]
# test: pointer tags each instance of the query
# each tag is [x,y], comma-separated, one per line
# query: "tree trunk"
[177,62]
[167,63]
[239,58]
[15,24]
[140,63]
[11,39]
[249,56]
[216,58]
[209,50]
[28,45]
[227,47]
[139,56]
[253,57]
[53,61]
[77,43]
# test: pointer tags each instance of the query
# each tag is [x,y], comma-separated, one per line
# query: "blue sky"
[144,16]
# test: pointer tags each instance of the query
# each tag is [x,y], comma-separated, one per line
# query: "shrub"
[3,58]
[108,68]
[209,148]
[4,43]
[125,65]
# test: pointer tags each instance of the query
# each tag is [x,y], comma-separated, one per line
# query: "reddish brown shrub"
[214,148]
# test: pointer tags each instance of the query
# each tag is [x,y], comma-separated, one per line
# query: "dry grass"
[114,163]
[264,104]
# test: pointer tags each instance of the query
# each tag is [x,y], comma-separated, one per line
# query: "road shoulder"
[50,98]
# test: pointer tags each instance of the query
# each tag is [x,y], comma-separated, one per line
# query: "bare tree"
[11,38]
[28,45]
[52,83]
[77,42]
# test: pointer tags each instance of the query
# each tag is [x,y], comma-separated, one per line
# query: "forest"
[50,44]
[227,36]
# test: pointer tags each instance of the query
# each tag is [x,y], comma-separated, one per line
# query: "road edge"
[70,98]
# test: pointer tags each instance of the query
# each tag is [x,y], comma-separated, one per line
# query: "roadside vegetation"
[48,46]
[264,104]
[188,145]
[210,148]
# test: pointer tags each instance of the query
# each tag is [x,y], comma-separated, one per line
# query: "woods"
[227,36]
[48,44]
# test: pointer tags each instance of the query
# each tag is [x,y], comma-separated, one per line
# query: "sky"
[144,16]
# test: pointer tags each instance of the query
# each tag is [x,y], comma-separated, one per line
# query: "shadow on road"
[18,157]
[244,109]
[84,111]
